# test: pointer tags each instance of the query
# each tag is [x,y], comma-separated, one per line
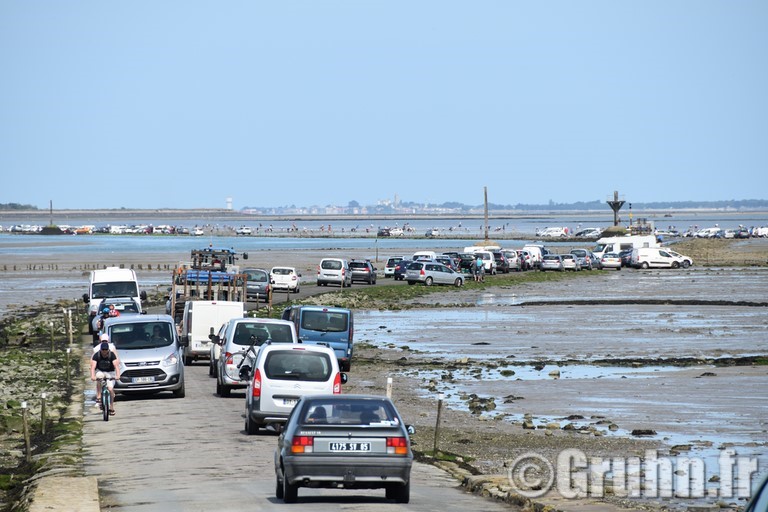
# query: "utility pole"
[485,193]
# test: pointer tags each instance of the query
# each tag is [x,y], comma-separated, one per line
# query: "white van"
[109,283]
[283,373]
[424,255]
[537,253]
[334,271]
[202,318]
[654,257]
[617,244]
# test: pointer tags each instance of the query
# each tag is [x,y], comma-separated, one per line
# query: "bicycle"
[106,398]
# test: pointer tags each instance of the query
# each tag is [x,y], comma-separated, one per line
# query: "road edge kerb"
[63,486]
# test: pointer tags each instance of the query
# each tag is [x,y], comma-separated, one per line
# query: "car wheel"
[278,488]
[251,427]
[290,491]
[225,391]
[400,493]
[644,265]
[296,290]
[187,361]
[458,282]
[181,392]
[686,264]
[675,264]
[428,281]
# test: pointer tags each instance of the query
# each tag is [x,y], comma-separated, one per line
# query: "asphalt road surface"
[192,454]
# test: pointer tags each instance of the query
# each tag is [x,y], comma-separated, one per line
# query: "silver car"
[430,273]
[234,341]
[570,262]
[586,258]
[551,262]
[344,441]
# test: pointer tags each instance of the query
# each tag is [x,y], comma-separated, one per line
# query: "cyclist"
[105,365]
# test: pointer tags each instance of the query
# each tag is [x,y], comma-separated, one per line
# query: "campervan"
[616,244]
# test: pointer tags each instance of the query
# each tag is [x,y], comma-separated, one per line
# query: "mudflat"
[574,364]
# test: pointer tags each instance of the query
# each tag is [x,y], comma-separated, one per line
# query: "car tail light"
[337,384]
[397,446]
[228,358]
[422,273]
[256,393]
[303,444]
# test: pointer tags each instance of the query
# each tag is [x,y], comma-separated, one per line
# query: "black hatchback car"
[400,269]
[363,271]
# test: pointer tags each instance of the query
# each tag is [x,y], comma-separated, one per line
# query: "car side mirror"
[214,338]
[245,372]
[143,295]
[184,341]
[85,298]
[344,378]
[410,429]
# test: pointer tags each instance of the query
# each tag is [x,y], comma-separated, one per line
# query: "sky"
[183,104]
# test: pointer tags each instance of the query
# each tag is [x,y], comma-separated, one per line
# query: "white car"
[243,230]
[395,231]
[285,278]
[281,374]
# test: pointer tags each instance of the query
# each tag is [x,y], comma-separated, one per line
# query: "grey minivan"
[150,354]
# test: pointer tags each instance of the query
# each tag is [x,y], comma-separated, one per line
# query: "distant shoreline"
[62,216]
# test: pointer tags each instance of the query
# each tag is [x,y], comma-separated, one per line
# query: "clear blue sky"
[181,104]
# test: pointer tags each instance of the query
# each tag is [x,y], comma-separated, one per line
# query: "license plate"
[138,380]
[349,447]
[290,401]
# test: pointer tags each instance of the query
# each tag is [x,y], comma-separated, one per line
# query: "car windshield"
[349,412]
[141,335]
[325,321]
[297,365]
[115,289]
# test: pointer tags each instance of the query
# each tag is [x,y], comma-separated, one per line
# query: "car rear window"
[282,271]
[259,277]
[258,333]
[356,264]
[415,266]
[353,412]
[325,321]
[331,265]
[297,365]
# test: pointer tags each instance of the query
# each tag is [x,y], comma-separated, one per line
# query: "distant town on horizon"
[387,207]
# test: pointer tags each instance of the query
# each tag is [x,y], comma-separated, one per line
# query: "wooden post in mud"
[51,325]
[27,443]
[440,397]
[42,413]
[389,387]
[69,370]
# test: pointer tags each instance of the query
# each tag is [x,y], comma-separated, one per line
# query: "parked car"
[589,233]
[243,230]
[334,271]
[586,258]
[502,264]
[362,271]
[239,339]
[553,232]
[330,437]
[285,278]
[525,259]
[466,262]
[280,375]
[513,260]
[570,262]
[389,266]
[400,269]
[447,261]
[257,284]
[431,233]
[626,257]
[396,231]
[551,262]
[383,232]
[430,273]
[610,260]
